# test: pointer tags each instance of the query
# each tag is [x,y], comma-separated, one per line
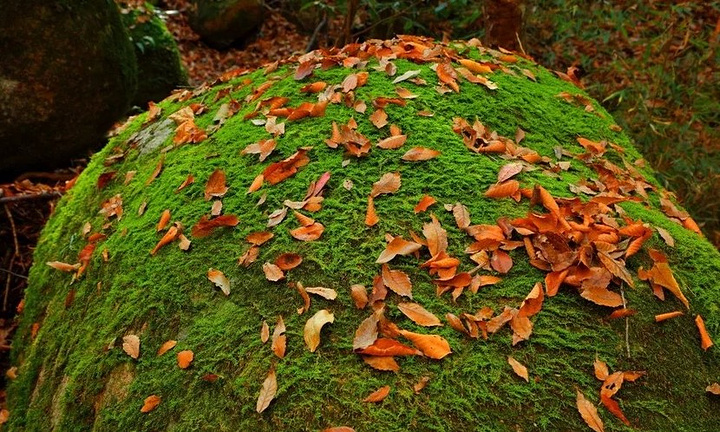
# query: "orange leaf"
[314,325]
[272,272]
[315,87]
[432,346]
[614,408]
[667,316]
[501,262]
[279,339]
[168,238]
[705,341]
[446,74]
[131,346]
[359,296]
[474,66]
[57,265]
[436,236]
[602,296]
[288,261]
[151,402]
[379,118]
[215,186]
[264,332]
[326,293]
[279,171]
[425,202]
[420,154]
[392,142]
[218,278]
[397,246]
[601,370]
[713,388]
[518,368]
[371,217]
[622,313]
[259,237]
[167,346]
[378,395]
[503,190]
[184,358]
[418,314]
[164,219]
[205,227]
[308,233]
[267,392]
[384,347]
[388,183]
[366,333]
[589,413]
[397,280]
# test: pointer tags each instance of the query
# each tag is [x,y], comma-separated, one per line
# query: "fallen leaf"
[151,402]
[131,346]
[397,246]
[314,325]
[326,293]
[164,219]
[518,368]
[420,154]
[667,316]
[165,347]
[392,142]
[57,265]
[397,280]
[705,341]
[267,392]
[601,369]
[382,363]
[425,202]
[406,76]
[388,183]
[669,240]
[279,339]
[308,233]
[418,314]
[264,332]
[378,395]
[713,388]
[185,358]
[218,278]
[366,333]
[249,256]
[259,237]
[205,227]
[272,272]
[183,242]
[503,190]
[501,262]
[432,346]
[589,413]
[602,296]
[436,236]
[371,217]
[359,296]
[379,118]
[385,347]
[288,261]
[215,186]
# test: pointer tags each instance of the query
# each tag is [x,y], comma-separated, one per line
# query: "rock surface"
[222,22]
[87,345]
[67,73]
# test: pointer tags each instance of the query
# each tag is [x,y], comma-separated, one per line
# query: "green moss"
[76,363]
[160,68]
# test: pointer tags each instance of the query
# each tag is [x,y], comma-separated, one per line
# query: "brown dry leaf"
[264,332]
[279,171]
[669,240]
[474,66]
[159,166]
[359,296]
[446,74]
[183,242]
[425,202]
[432,346]
[388,183]
[256,183]
[397,280]
[215,186]
[249,256]
[131,346]
[501,262]
[303,220]
[713,388]
[267,392]
[518,368]
[661,275]
[305,297]
[616,267]
[601,369]
[326,293]
[288,261]
[57,265]
[382,363]
[339,429]
[366,333]
[509,171]
[602,296]
[405,93]
[167,346]
[272,272]
[378,395]
[205,227]
[589,413]
[314,325]
[164,219]
[420,154]
[371,217]
[418,314]
[503,190]
[384,347]
[279,339]
[308,233]
[436,236]
[185,358]
[218,278]
[151,402]
[421,384]
[392,142]
[166,239]
[259,237]
[276,217]
[379,118]
[705,341]
[263,147]
[667,316]
[397,246]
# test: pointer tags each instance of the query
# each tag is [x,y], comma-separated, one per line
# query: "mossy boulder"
[67,73]
[160,68]
[75,375]
[221,23]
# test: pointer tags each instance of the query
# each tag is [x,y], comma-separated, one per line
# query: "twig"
[14,231]
[24,197]
[14,274]
[7,284]
[627,322]
[314,37]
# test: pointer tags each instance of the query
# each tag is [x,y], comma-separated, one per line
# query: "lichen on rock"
[590,200]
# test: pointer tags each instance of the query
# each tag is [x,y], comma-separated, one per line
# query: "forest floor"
[654,66]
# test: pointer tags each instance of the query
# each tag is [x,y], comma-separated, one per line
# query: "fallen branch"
[25,197]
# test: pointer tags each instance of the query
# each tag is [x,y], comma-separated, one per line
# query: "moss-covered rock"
[74,375]
[67,73]
[223,22]
[160,68]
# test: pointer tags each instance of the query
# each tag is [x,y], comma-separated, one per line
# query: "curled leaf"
[314,325]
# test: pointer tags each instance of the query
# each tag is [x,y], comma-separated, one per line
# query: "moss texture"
[74,375]
[160,69]
[68,73]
